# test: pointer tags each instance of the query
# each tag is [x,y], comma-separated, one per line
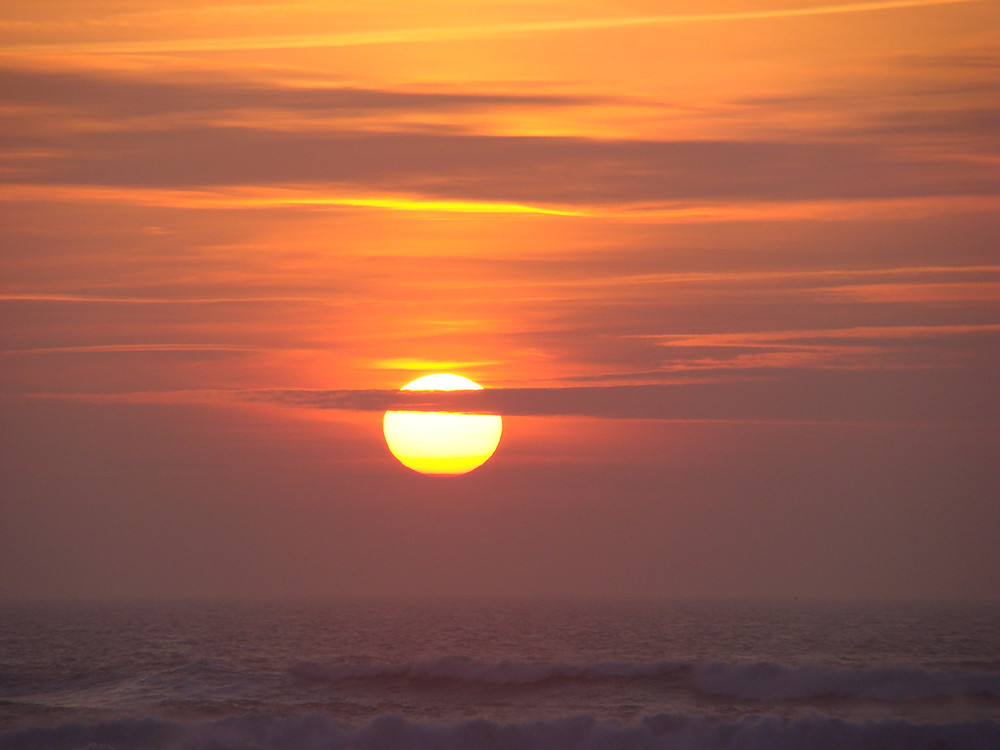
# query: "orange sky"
[715,261]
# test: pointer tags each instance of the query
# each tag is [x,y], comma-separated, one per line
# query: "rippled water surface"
[499,674]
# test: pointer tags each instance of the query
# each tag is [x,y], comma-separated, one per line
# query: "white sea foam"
[766,681]
[663,732]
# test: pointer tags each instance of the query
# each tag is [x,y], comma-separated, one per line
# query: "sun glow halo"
[441,443]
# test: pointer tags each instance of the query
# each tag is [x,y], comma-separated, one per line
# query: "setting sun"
[442,443]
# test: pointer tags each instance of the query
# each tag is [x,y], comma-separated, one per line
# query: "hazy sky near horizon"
[730,270]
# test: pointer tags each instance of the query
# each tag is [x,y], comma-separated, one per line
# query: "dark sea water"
[543,675]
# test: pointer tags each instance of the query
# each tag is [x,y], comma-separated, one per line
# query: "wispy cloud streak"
[807,396]
[441,34]
[136,348]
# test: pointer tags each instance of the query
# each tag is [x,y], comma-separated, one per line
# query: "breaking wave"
[661,732]
[761,681]
[766,681]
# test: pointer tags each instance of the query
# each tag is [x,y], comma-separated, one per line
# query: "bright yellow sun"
[442,443]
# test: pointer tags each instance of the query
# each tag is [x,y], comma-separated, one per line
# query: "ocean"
[499,675]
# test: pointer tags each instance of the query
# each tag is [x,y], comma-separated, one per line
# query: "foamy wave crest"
[761,681]
[576,733]
[458,669]
[765,681]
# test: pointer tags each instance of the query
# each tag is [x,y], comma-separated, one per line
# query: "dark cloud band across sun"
[798,396]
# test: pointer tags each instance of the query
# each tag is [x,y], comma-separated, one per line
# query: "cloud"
[136,130]
[367,37]
[500,168]
[119,95]
[844,349]
[798,396]
[136,349]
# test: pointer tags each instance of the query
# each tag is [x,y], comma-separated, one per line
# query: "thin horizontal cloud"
[831,279]
[822,335]
[965,113]
[501,169]
[970,129]
[321,197]
[972,56]
[118,95]
[151,300]
[843,209]
[413,364]
[767,353]
[278,196]
[972,291]
[807,396]
[133,348]
[416,204]
[442,34]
